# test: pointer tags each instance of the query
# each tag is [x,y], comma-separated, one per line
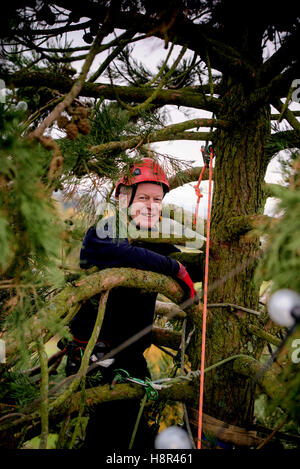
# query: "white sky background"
[150,52]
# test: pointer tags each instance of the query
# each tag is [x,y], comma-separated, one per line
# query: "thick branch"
[288,115]
[282,58]
[166,337]
[191,237]
[240,225]
[64,304]
[98,395]
[201,38]
[268,381]
[163,308]
[264,335]
[287,139]
[223,431]
[188,175]
[188,97]
[275,117]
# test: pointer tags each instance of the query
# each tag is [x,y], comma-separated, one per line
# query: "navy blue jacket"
[128,310]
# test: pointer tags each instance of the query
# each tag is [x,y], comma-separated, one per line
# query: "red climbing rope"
[205,295]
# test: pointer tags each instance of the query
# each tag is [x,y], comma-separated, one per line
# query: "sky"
[151,51]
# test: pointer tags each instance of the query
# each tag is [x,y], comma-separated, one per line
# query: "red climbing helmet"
[147,170]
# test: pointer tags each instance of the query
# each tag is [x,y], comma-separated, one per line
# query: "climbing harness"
[208,155]
[75,350]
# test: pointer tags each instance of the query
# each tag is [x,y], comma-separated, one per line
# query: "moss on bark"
[239,171]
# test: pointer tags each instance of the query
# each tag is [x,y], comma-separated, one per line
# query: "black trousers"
[111,424]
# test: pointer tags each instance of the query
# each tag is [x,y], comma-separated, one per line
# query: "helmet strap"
[133,192]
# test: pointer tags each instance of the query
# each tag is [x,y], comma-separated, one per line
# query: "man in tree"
[128,311]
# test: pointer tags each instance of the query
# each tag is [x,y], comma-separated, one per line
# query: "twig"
[75,90]
[80,413]
[53,359]
[161,70]
[171,354]
[230,305]
[123,40]
[87,353]
[44,393]
[268,438]
[143,106]
[283,436]
[13,414]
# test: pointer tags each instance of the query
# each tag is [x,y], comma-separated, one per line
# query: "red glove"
[184,276]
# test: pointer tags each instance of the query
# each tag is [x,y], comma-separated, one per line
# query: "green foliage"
[109,122]
[129,69]
[30,233]
[281,265]
[34,443]
[134,72]
[281,262]
[18,389]
[28,223]
[269,415]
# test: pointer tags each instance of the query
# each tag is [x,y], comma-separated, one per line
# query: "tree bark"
[239,171]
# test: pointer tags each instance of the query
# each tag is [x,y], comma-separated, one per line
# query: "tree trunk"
[240,166]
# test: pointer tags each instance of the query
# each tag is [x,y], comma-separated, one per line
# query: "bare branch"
[188,175]
[287,114]
[75,90]
[282,58]
[171,132]
[163,308]
[275,117]
[166,337]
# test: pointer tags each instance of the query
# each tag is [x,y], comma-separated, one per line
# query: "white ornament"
[281,305]
[173,438]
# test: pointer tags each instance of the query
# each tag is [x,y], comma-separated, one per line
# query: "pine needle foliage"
[27,216]
[109,123]
[30,231]
[281,266]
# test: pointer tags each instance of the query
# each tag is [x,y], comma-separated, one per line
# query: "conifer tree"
[233,60]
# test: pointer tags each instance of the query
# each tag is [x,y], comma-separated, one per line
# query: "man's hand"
[184,276]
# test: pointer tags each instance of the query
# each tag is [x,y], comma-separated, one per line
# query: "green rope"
[122,376]
[226,360]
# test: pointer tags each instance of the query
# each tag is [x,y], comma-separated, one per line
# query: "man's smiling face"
[146,206]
